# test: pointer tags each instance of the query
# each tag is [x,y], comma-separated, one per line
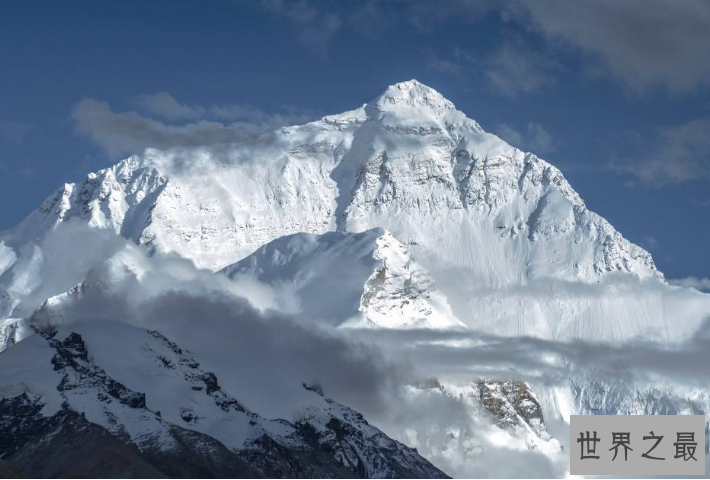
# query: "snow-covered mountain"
[155,398]
[400,216]
[407,161]
[455,196]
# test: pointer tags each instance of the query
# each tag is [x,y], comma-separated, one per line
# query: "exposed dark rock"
[71,447]
[277,461]
[20,421]
[510,401]
[72,357]
[330,441]
[7,472]
[196,455]
[66,445]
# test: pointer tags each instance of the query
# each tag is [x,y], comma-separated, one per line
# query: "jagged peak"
[412,93]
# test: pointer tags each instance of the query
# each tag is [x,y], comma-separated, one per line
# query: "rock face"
[7,472]
[67,446]
[163,415]
[12,330]
[510,405]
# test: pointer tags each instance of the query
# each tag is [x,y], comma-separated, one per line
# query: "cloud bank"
[167,123]
[263,349]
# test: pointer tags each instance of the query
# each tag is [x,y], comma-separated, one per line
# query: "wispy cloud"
[681,154]
[454,63]
[163,122]
[427,15]
[165,106]
[511,69]
[315,26]
[650,243]
[642,44]
[370,19]
[514,68]
[698,283]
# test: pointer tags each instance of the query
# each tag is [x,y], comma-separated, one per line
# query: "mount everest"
[402,214]
[409,162]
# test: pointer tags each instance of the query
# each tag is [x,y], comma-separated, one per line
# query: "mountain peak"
[412,93]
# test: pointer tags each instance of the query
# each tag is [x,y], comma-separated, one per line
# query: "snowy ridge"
[155,396]
[364,279]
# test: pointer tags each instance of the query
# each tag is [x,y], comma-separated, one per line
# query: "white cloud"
[698,283]
[125,133]
[265,355]
[650,243]
[164,105]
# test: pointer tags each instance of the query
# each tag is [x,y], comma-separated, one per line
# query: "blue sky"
[616,94]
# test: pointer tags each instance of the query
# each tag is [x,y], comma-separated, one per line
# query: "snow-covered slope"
[149,393]
[407,161]
[361,279]
[402,213]
[455,196]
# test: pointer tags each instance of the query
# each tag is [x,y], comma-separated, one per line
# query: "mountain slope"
[6,471]
[360,279]
[71,447]
[455,196]
[407,156]
[403,213]
[126,386]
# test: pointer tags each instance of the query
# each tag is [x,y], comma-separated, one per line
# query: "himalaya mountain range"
[288,306]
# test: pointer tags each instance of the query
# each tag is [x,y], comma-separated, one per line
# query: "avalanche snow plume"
[386,292]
